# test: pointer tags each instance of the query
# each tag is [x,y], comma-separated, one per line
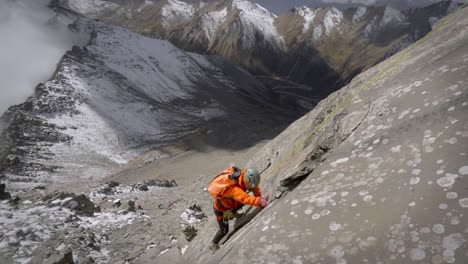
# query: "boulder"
[3,194]
[161,183]
[79,203]
[53,257]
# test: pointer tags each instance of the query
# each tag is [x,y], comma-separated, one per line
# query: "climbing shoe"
[214,247]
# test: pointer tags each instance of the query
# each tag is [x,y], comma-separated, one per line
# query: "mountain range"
[122,94]
[309,52]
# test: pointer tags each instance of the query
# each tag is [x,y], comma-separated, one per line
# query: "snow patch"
[174,11]
[91,7]
[396,149]
[360,12]
[332,19]
[257,20]
[308,15]
[211,21]
[317,33]
[339,161]
[391,16]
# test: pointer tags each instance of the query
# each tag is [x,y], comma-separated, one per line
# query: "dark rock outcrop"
[79,203]
[3,194]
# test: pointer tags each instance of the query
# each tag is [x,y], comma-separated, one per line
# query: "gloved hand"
[229,215]
[263,201]
[236,215]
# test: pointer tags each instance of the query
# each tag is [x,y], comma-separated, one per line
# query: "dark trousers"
[223,225]
[223,230]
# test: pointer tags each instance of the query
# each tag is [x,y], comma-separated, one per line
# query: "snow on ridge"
[360,12]
[307,14]
[163,77]
[91,7]
[252,8]
[391,15]
[369,29]
[211,22]
[127,83]
[317,33]
[332,19]
[257,19]
[176,10]
[145,4]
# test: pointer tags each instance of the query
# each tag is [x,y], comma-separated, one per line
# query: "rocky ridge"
[121,95]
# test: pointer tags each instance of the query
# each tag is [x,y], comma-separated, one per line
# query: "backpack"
[223,181]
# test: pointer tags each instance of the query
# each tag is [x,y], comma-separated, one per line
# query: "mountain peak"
[175,9]
[252,8]
[391,15]
[360,12]
[212,20]
[332,18]
[307,14]
[256,20]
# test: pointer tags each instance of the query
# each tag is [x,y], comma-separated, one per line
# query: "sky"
[30,48]
[281,6]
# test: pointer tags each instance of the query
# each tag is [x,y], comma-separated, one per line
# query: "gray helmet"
[252,178]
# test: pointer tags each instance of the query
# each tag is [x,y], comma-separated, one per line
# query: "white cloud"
[359,2]
[364,2]
[30,48]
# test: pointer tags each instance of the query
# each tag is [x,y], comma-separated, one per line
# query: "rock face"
[321,49]
[382,181]
[121,94]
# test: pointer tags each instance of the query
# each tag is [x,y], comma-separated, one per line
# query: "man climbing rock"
[229,191]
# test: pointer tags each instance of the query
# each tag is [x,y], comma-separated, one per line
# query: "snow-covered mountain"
[357,38]
[313,47]
[121,94]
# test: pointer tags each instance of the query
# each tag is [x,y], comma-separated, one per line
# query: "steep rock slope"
[383,181]
[124,93]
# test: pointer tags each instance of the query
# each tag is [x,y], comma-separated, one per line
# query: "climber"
[229,191]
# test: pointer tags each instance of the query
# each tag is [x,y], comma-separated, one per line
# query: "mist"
[33,40]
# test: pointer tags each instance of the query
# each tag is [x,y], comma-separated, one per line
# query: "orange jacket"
[236,196]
